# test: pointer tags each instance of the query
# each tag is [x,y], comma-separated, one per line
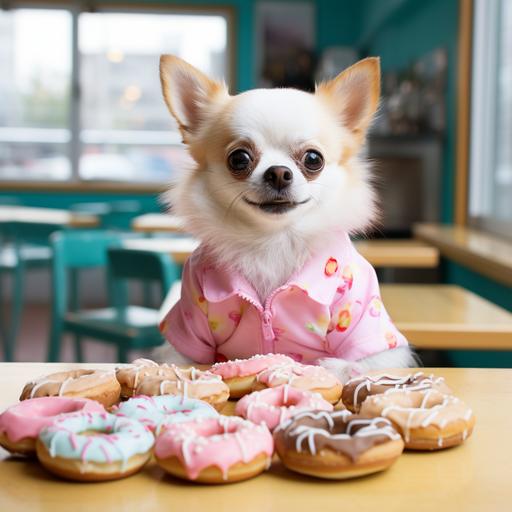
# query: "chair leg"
[79,355]
[122,353]
[3,332]
[54,339]
[147,295]
[16,308]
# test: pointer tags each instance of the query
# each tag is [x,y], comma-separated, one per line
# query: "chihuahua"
[277,187]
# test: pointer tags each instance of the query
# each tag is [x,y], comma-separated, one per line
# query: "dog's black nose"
[278,177]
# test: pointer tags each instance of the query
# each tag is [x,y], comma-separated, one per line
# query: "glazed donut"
[21,423]
[156,412]
[218,450]
[129,376]
[272,406]
[99,385]
[337,445]
[240,374]
[426,419]
[301,376]
[356,390]
[94,447]
[145,377]
[188,383]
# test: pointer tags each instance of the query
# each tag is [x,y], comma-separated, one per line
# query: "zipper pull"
[268,333]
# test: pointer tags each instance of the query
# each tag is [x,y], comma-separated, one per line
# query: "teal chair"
[116,215]
[122,324]
[24,246]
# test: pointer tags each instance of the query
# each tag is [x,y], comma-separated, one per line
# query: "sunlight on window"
[128,133]
[34,87]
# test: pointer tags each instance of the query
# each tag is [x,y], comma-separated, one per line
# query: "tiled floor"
[33,338]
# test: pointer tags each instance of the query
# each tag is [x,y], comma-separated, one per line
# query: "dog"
[278,186]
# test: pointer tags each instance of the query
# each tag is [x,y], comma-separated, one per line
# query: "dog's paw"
[343,370]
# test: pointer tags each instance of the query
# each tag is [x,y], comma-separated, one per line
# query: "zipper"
[266,316]
[268,332]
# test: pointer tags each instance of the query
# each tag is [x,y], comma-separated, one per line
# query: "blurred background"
[87,147]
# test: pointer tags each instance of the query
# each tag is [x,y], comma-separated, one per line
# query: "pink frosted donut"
[215,450]
[21,423]
[240,374]
[272,406]
[301,376]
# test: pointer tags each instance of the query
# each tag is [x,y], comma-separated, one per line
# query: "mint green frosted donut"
[118,439]
[157,411]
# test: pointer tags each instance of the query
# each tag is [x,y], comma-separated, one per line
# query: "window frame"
[76,183]
[482,77]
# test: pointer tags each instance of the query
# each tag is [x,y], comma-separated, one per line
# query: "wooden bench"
[482,252]
[447,317]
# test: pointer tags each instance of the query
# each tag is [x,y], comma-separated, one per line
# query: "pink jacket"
[330,308]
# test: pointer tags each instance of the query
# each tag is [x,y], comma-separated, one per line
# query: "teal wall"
[400,31]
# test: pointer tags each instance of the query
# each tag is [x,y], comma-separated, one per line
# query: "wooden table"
[402,253]
[447,317]
[380,253]
[472,477]
[179,248]
[47,216]
[157,223]
[482,252]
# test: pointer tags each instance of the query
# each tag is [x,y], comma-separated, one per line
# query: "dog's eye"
[239,161]
[313,161]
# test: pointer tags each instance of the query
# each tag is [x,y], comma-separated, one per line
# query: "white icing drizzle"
[64,384]
[370,428]
[40,384]
[432,412]
[398,383]
[243,450]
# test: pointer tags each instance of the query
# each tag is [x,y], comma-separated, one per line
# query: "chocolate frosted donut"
[337,445]
[358,389]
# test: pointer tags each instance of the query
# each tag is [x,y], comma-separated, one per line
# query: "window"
[490,197]
[35,80]
[113,124]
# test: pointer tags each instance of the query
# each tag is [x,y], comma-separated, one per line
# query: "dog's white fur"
[278,124]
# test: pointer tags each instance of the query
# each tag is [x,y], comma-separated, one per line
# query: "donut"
[337,445]
[145,377]
[356,390]
[188,383]
[215,450]
[99,385]
[129,376]
[240,374]
[272,406]
[301,376]
[21,423]
[158,411]
[94,447]
[426,419]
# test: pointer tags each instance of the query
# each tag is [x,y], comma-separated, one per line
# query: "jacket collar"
[319,278]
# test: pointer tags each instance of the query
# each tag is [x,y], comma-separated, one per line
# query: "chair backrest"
[116,215]
[83,248]
[126,264]
[37,233]
[77,250]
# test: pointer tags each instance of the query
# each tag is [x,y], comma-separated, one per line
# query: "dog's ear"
[187,92]
[354,94]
